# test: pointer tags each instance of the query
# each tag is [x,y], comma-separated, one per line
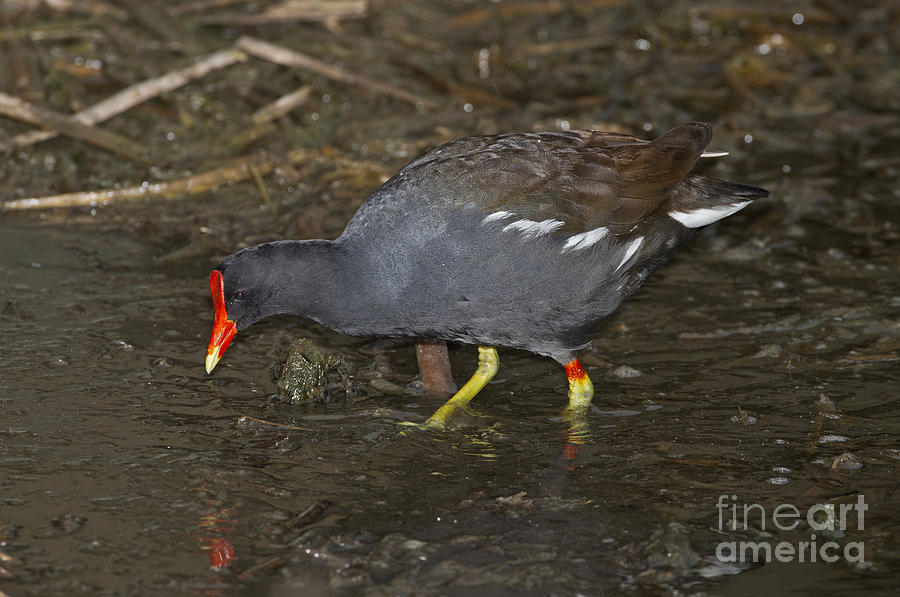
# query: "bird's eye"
[239,295]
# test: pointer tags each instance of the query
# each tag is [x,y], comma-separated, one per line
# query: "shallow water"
[762,364]
[127,470]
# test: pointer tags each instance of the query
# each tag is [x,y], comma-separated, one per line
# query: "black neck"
[318,279]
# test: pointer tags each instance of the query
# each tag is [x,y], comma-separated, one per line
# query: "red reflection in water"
[221,551]
[211,534]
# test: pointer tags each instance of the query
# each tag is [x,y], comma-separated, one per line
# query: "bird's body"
[521,240]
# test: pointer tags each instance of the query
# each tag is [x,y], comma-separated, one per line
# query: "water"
[128,470]
[759,367]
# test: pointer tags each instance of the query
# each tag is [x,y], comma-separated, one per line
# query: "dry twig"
[201,5]
[192,185]
[282,105]
[97,8]
[287,57]
[19,109]
[291,11]
[237,171]
[140,92]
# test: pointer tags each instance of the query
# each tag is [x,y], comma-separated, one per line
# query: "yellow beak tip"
[212,359]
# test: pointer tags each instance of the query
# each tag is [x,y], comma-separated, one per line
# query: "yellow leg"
[488,363]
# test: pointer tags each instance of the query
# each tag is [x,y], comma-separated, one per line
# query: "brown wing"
[585,179]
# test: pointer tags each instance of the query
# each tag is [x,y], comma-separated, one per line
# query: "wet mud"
[761,366]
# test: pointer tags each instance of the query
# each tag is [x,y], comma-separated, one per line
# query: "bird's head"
[281,277]
[238,296]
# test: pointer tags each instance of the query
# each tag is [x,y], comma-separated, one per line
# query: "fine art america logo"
[825,522]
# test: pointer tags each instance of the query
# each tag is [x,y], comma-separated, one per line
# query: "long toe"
[447,419]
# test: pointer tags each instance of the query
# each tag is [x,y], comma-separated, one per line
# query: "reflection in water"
[577,434]
[479,443]
[212,533]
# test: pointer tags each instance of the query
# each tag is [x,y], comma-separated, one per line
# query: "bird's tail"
[717,190]
[698,201]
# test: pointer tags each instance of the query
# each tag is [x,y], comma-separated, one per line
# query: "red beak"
[224,330]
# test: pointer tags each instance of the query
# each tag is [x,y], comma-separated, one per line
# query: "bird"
[521,240]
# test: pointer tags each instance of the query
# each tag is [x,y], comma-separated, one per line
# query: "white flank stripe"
[584,240]
[531,228]
[497,215]
[706,215]
[633,246]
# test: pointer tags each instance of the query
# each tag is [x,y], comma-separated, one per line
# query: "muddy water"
[760,364]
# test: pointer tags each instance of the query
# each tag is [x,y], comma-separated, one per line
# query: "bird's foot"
[488,362]
[446,418]
[429,425]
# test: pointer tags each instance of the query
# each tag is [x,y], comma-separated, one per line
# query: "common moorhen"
[522,240]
